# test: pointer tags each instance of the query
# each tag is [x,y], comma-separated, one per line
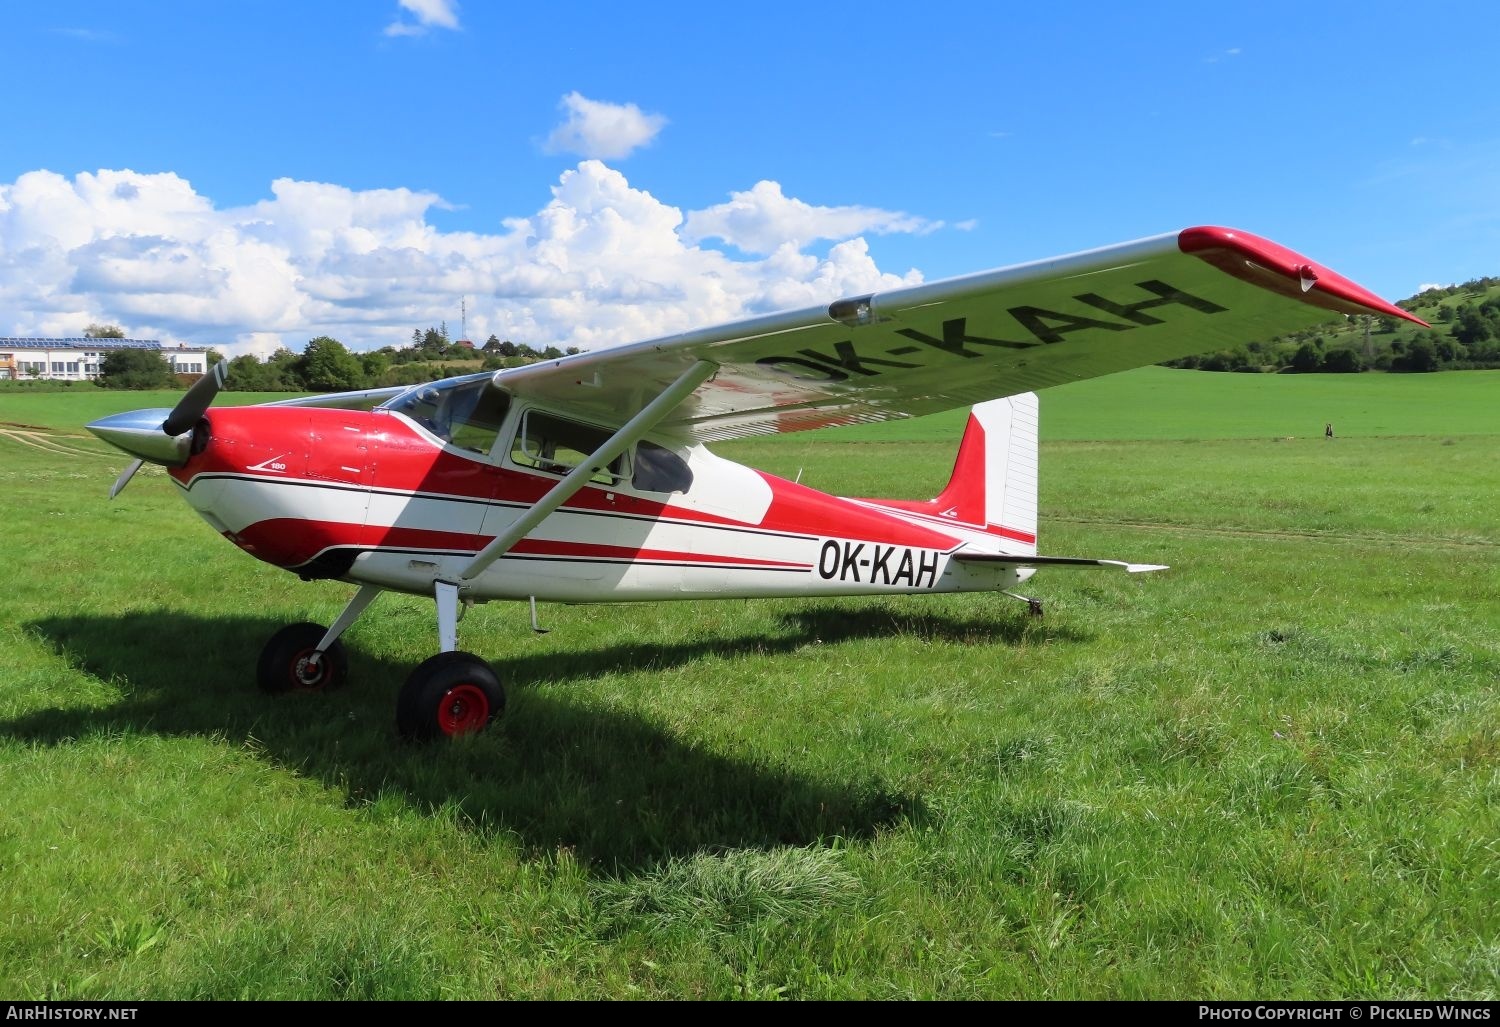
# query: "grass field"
[1273,771]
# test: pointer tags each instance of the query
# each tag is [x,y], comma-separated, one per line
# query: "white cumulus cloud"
[594,128]
[601,263]
[429,14]
[763,219]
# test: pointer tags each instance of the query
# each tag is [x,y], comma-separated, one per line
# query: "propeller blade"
[191,407]
[124,478]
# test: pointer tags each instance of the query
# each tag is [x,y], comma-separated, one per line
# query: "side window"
[477,416]
[557,445]
[658,469]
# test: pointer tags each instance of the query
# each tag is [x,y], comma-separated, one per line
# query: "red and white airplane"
[589,479]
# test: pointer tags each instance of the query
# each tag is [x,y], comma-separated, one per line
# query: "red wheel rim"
[463,708]
[320,671]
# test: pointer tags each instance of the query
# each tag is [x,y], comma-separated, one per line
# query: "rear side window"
[658,469]
[556,445]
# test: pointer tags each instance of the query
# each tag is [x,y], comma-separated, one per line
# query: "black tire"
[450,694]
[284,667]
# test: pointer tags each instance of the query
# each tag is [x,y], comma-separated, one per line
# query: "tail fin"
[994,479]
[994,483]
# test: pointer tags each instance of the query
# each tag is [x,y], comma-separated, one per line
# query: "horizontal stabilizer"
[1058,561]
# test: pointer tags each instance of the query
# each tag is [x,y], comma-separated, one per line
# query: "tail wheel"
[448,695]
[290,662]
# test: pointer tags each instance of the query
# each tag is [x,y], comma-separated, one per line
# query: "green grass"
[1159,403]
[69,412]
[1272,771]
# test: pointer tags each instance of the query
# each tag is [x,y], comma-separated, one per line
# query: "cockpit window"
[557,445]
[467,413]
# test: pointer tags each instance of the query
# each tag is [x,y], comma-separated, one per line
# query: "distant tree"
[375,365]
[214,357]
[327,366]
[1342,361]
[247,374]
[572,350]
[1307,358]
[1419,357]
[491,345]
[1473,326]
[98,331]
[508,349]
[286,371]
[135,369]
[551,353]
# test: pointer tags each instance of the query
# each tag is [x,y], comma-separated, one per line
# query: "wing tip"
[1292,274]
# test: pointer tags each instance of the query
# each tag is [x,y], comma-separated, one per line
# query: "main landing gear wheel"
[287,664]
[450,694]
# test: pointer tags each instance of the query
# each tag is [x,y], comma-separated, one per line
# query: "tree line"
[327,365]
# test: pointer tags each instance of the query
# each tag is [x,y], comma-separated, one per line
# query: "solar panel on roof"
[79,343]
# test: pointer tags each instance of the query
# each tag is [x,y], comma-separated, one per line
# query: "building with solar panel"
[77,360]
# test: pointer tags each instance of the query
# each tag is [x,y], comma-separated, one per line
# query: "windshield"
[464,411]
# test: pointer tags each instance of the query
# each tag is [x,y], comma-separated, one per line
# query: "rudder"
[994,482]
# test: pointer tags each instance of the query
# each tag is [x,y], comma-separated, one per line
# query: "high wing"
[960,341]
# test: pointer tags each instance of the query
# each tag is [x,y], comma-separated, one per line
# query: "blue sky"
[721,161]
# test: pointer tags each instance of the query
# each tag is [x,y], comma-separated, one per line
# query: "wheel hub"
[309,669]
[464,708]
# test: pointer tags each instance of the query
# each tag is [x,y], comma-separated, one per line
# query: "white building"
[77,360]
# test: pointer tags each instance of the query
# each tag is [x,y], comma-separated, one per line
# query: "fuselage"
[380,498]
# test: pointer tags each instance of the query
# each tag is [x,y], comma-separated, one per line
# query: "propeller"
[124,478]
[195,402]
[160,436]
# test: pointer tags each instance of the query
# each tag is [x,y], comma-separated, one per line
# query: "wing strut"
[578,477]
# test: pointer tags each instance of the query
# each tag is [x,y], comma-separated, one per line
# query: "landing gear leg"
[1033,606]
[454,693]
[306,657]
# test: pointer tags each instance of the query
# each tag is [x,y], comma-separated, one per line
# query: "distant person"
[1328,431]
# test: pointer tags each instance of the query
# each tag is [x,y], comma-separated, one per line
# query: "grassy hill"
[1465,335]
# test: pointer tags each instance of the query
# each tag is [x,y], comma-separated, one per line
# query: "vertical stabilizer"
[994,484]
[994,479]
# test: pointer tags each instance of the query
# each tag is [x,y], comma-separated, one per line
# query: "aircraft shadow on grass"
[618,790]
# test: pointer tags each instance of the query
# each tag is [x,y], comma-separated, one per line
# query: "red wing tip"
[1322,285]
